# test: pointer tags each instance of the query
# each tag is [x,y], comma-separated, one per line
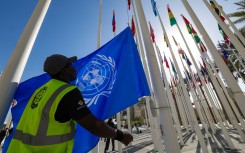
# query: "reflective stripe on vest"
[41,138]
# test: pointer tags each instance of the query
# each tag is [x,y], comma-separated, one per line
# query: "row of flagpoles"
[170,107]
[210,99]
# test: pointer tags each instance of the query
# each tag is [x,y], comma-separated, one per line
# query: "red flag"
[152,33]
[185,20]
[222,18]
[133,27]
[203,48]
[166,61]
[113,22]
[180,51]
[129,3]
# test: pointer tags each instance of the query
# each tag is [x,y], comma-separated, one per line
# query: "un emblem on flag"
[97,78]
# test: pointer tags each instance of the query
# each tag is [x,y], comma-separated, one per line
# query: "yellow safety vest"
[37,130]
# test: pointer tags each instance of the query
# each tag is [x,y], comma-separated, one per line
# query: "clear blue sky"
[71,27]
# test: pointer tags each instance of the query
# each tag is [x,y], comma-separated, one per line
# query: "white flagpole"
[96,148]
[171,101]
[99,25]
[236,90]
[238,45]
[182,98]
[189,105]
[170,142]
[128,119]
[146,68]
[230,22]
[15,67]
[119,126]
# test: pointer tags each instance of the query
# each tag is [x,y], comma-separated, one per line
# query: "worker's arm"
[101,129]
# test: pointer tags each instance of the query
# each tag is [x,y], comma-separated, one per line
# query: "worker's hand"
[127,138]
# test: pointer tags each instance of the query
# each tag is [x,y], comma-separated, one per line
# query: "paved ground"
[216,144]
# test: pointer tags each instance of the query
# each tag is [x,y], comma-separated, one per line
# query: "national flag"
[183,55]
[129,3]
[204,64]
[171,17]
[180,50]
[152,33]
[202,46]
[203,71]
[188,61]
[111,91]
[154,7]
[166,61]
[133,27]
[165,40]
[223,51]
[224,34]
[173,68]
[214,7]
[175,42]
[198,78]
[188,25]
[113,22]
[188,74]
[197,39]
[217,10]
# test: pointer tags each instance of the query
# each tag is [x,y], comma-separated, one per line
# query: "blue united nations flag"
[111,79]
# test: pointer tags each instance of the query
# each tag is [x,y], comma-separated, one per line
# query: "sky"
[71,27]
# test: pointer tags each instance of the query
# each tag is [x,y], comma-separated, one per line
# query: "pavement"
[216,143]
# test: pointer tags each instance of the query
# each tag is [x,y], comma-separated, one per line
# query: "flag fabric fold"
[154,7]
[196,37]
[113,21]
[171,17]
[223,51]
[180,50]
[202,46]
[183,55]
[173,68]
[129,3]
[166,61]
[188,25]
[204,64]
[101,79]
[152,33]
[188,61]
[133,29]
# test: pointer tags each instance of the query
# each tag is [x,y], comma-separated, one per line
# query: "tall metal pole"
[96,148]
[170,142]
[15,67]
[150,110]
